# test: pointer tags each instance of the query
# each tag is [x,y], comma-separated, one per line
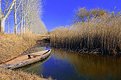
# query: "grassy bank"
[6,74]
[98,35]
[12,46]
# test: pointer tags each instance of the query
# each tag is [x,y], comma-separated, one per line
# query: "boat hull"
[39,56]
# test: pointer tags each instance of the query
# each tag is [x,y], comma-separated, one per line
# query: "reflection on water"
[63,65]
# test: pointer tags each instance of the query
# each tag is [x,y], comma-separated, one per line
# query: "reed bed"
[101,35]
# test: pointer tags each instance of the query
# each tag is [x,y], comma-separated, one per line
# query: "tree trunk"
[15,18]
[1,18]
[4,17]
[2,25]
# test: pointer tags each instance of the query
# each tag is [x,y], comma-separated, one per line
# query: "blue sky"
[61,12]
[56,13]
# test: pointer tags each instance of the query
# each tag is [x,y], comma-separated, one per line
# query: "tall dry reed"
[102,35]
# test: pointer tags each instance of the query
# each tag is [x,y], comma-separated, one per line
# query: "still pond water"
[63,65]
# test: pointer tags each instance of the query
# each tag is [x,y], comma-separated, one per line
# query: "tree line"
[83,14]
[26,12]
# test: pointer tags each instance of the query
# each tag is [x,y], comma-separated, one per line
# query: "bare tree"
[26,15]
[4,16]
[82,14]
[33,22]
[97,12]
[85,15]
[15,17]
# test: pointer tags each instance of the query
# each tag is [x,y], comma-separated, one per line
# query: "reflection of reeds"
[98,35]
[91,66]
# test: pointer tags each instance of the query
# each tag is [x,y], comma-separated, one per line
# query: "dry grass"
[6,74]
[101,35]
[13,45]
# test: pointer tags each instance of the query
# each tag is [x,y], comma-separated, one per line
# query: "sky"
[56,13]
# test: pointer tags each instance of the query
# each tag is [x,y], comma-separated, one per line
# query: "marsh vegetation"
[95,31]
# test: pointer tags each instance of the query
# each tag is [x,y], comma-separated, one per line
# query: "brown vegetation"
[85,15]
[99,34]
[13,45]
[6,74]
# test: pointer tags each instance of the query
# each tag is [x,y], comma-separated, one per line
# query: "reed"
[98,35]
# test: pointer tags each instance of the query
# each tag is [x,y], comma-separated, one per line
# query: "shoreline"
[13,46]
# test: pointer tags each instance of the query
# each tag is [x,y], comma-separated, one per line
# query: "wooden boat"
[27,59]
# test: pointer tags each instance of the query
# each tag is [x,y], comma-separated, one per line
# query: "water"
[63,65]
